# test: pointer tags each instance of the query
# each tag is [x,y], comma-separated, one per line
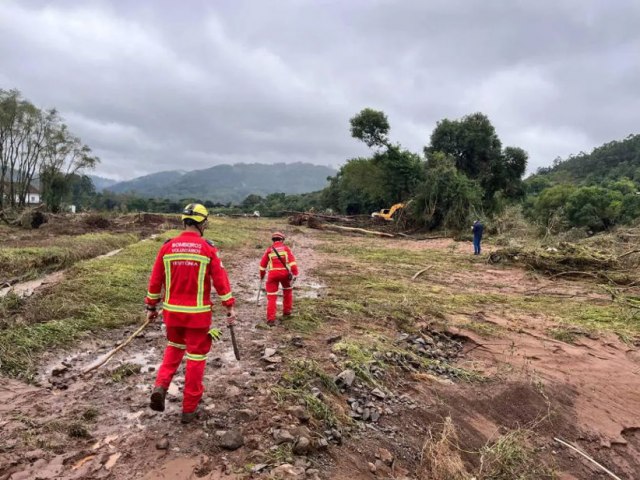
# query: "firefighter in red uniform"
[186,266]
[279,264]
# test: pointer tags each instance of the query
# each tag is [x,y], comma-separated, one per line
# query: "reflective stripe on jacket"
[185,268]
[270,260]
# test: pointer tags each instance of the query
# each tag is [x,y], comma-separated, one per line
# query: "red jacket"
[271,262]
[185,267]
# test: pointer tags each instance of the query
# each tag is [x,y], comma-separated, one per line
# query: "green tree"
[371,126]
[596,208]
[447,197]
[400,171]
[473,144]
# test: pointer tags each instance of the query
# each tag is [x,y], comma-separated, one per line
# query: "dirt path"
[71,427]
[585,392]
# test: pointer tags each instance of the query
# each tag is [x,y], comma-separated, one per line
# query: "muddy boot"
[188,417]
[271,323]
[157,399]
[287,314]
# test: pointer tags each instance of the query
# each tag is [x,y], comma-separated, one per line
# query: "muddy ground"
[587,392]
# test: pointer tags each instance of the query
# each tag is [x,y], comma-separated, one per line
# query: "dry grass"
[440,457]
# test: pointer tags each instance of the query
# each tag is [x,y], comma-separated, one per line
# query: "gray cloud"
[155,85]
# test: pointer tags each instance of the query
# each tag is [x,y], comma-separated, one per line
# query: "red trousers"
[274,279]
[195,342]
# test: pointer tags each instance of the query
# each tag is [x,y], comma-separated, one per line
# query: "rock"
[302,446]
[333,357]
[59,370]
[162,444]
[375,416]
[269,352]
[322,444]
[336,435]
[259,467]
[366,414]
[334,339]
[385,456]
[345,378]
[313,474]
[376,392]
[300,413]
[297,342]
[283,436]
[372,467]
[274,359]
[270,368]
[286,471]
[232,391]
[246,415]
[231,440]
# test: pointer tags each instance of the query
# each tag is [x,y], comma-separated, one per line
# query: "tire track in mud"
[52,432]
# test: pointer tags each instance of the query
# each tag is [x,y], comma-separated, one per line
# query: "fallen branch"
[577,450]
[338,228]
[417,274]
[118,348]
[628,253]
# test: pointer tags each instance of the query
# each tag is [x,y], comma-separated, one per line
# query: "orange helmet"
[277,235]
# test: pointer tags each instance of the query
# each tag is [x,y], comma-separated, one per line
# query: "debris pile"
[569,259]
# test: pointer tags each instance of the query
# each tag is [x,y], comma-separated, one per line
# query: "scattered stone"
[375,416]
[345,378]
[232,391]
[162,444]
[313,474]
[376,392]
[300,413]
[259,467]
[246,415]
[372,467]
[302,446]
[270,368]
[336,435]
[322,444]
[366,414]
[297,342]
[59,370]
[283,436]
[231,440]
[334,339]
[286,471]
[269,352]
[385,456]
[274,359]
[334,358]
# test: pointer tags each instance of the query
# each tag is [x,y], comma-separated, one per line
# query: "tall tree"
[371,126]
[474,146]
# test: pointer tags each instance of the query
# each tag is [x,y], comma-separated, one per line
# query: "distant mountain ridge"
[229,183]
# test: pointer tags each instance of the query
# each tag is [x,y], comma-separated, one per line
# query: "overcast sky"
[157,85]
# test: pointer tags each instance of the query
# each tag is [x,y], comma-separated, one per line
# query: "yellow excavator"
[387,213]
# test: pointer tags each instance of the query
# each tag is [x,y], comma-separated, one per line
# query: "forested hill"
[229,183]
[611,161]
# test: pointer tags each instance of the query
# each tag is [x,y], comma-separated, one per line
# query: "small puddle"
[28,288]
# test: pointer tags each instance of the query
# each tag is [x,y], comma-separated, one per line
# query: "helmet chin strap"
[200,227]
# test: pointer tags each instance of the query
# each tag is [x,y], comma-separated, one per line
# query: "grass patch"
[297,385]
[484,329]
[31,262]
[96,294]
[124,371]
[563,334]
[440,456]
[512,457]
